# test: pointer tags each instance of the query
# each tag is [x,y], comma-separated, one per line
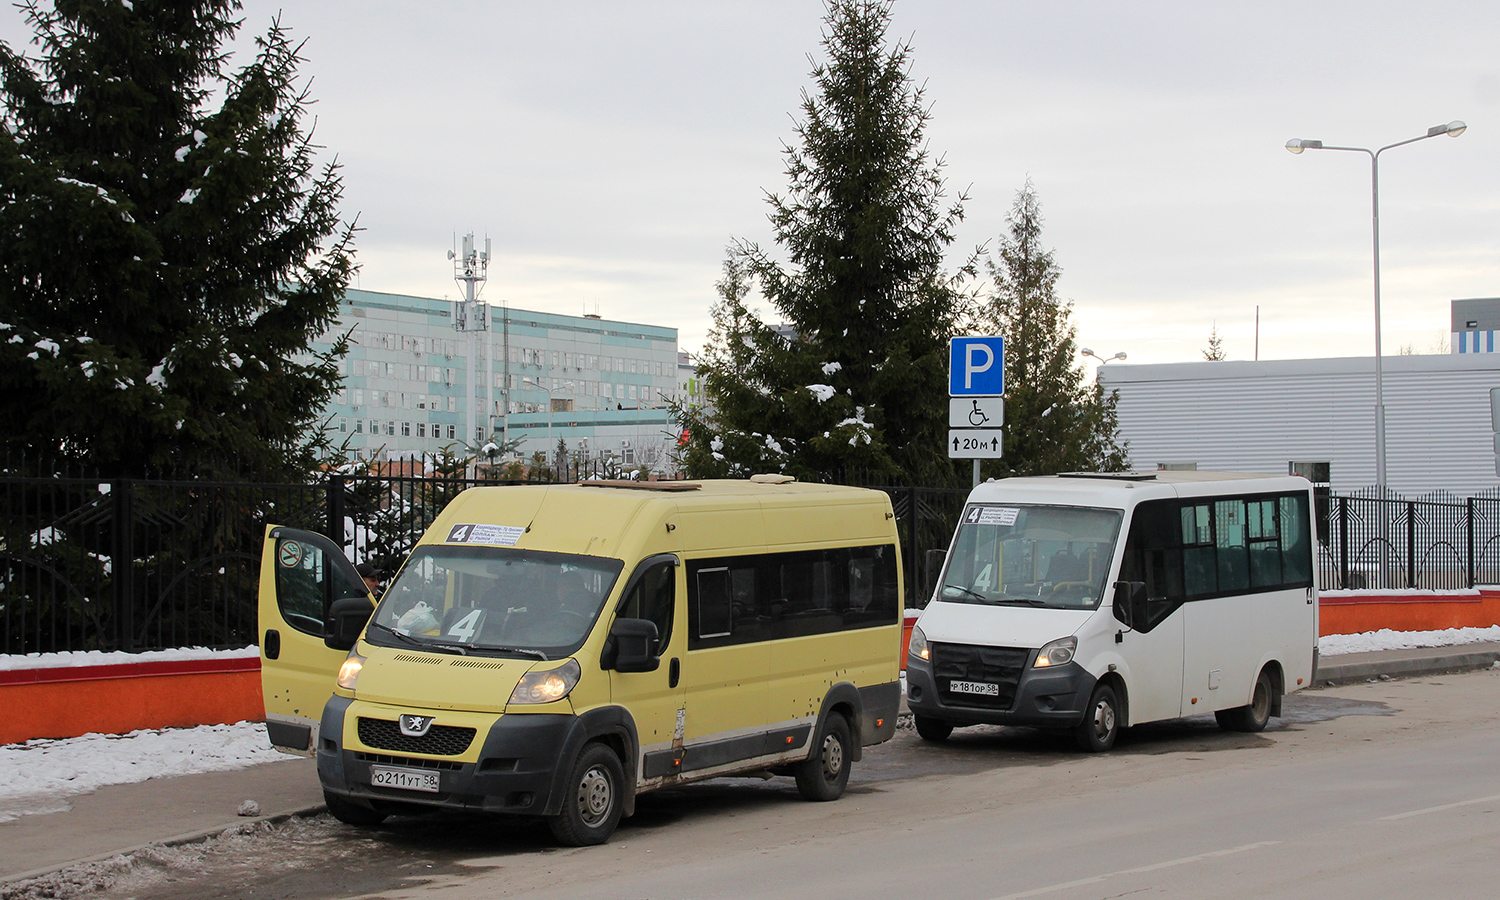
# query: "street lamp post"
[1087,352]
[541,387]
[1296,146]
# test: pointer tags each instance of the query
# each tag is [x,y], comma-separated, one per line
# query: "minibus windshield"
[1031,555]
[493,601]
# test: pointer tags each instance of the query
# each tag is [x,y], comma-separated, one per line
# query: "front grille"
[440,740]
[442,765]
[987,665]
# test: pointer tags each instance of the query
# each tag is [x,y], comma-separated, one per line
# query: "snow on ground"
[72,658]
[37,776]
[1386,639]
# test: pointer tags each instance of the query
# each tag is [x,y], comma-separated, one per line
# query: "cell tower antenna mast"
[471,317]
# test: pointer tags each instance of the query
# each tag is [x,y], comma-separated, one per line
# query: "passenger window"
[1262,536]
[654,597]
[1296,541]
[1199,571]
[1229,540]
[715,603]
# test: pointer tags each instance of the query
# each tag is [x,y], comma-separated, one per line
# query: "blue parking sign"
[976,366]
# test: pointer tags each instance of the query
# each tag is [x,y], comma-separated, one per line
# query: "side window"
[1262,534]
[307,581]
[715,602]
[654,597]
[1153,554]
[1296,541]
[1229,540]
[1199,572]
[742,599]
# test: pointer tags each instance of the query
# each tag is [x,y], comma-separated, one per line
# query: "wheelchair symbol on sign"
[977,416]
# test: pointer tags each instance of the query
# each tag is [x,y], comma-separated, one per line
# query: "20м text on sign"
[975,443]
[976,366]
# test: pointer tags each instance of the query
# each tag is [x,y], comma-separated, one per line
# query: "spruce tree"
[1215,351]
[854,381]
[169,243]
[1054,420]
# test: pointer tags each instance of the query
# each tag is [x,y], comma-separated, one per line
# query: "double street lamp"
[541,387]
[1087,352]
[1296,146]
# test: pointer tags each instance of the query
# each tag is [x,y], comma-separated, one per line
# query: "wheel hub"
[595,795]
[1104,719]
[833,757]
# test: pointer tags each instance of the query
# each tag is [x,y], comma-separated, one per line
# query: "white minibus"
[1092,602]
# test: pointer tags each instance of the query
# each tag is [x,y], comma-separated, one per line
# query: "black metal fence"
[131,564]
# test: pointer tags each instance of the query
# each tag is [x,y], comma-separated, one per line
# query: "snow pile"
[1386,639]
[824,392]
[36,775]
[72,658]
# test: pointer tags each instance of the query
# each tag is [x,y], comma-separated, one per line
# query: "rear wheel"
[930,729]
[1101,721]
[351,813]
[823,776]
[593,799]
[1251,718]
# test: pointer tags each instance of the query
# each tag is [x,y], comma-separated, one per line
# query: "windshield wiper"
[524,651]
[975,594]
[417,642]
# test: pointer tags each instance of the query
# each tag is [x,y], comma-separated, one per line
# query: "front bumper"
[1044,698]
[515,771]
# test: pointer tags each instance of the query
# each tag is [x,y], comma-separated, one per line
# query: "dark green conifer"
[169,243]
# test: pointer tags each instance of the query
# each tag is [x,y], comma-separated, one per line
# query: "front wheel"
[593,801]
[1101,721]
[930,729]
[1250,718]
[823,776]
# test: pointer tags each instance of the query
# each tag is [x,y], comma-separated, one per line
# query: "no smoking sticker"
[290,554]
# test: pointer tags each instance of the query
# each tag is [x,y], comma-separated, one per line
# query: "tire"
[823,776]
[593,800]
[930,729]
[351,813]
[1252,718]
[1101,721]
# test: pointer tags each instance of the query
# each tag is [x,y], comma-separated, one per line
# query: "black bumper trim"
[1045,698]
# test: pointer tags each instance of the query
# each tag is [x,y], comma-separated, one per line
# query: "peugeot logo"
[415,726]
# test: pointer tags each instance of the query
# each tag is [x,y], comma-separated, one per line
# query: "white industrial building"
[1262,416]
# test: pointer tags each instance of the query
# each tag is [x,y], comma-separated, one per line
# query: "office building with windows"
[413,384]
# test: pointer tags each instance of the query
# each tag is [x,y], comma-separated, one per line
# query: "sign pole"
[976,473]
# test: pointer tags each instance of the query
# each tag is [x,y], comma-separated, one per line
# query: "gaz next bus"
[1092,602]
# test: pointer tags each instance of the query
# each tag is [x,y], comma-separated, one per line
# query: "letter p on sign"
[976,367]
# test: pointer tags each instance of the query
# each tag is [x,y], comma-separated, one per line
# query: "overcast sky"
[611,150]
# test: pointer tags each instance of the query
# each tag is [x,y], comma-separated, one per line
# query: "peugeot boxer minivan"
[554,651]
[1091,602]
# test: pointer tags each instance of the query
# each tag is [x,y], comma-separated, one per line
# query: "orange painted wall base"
[1353,613]
[59,703]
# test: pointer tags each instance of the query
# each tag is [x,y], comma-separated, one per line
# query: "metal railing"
[1392,544]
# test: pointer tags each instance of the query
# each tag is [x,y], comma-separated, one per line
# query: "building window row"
[391,427]
[390,340]
[397,399]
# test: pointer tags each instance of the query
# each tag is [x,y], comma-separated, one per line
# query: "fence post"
[1470,529]
[122,562]
[1344,543]
[1411,544]
[335,504]
[911,542]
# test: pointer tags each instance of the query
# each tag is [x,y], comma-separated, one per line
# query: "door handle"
[674,672]
[271,646]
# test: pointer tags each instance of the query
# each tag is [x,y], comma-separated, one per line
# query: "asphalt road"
[1389,789]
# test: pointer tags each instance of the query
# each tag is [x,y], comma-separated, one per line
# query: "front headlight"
[918,648]
[349,671]
[545,687]
[1056,653]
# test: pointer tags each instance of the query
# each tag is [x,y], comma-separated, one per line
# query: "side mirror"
[631,647]
[346,619]
[934,567]
[1130,602]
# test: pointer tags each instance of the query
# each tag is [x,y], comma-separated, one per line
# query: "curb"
[1349,673]
[191,837]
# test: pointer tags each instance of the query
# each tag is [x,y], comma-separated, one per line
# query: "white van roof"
[1124,489]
